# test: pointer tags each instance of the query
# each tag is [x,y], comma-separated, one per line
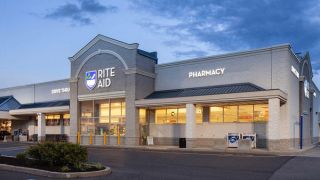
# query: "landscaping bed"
[54,157]
[34,164]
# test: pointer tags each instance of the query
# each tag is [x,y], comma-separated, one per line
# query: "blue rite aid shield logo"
[233,139]
[91,79]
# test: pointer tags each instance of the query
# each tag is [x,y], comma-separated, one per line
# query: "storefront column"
[273,127]
[190,124]
[61,126]
[132,112]
[41,127]
[74,111]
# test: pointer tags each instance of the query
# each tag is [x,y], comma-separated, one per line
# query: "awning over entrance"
[5,115]
[42,107]
[211,94]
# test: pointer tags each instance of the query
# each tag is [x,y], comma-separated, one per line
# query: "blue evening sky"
[38,36]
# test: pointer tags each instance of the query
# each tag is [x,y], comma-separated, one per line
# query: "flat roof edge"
[231,54]
[33,84]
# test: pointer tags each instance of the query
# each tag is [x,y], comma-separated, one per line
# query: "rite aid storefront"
[118,90]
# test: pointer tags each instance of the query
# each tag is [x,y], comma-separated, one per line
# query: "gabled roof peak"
[106,39]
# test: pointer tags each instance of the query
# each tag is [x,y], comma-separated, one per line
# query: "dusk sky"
[38,36]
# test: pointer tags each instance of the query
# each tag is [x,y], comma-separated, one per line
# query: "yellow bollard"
[104,138]
[78,138]
[118,129]
[90,137]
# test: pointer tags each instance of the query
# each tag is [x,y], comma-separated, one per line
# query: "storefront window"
[66,119]
[103,116]
[161,116]
[101,109]
[5,125]
[198,115]
[52,120]
[86,109]
[216,114]
[182,115]
[239,113]
[172,116]
[261,112]
[230,113]
[142,116]
[245,113]
[115,112]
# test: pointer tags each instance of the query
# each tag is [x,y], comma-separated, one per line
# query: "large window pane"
[87,125]
[216,114]
[160,116]
[115,111]
[97,115]
[66,119]
[123,112]
[172,116]
[198,114]
[245,113]
[230,113]
[182,115]
[142,116]
[53,120]
[101,109]
[261,112]
[86,109]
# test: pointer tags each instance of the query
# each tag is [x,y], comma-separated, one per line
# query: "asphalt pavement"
[146,164]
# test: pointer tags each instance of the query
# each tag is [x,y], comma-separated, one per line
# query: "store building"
[117,89]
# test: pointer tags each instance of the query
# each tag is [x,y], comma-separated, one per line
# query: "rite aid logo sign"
[91,79]
[100,78]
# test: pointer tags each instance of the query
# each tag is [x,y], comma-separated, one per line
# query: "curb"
[40,172]
[208,151]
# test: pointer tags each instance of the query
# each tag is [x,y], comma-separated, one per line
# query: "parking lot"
[148,164]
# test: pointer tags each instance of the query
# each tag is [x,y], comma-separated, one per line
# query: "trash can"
[182,143]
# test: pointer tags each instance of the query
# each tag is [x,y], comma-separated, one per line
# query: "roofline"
[47,101]
[232,97]
[103,38]
[27,85]
[27,111]
[232,54]
[214,86]
[314,84]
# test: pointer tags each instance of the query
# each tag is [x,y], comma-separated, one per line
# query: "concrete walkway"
[293,152]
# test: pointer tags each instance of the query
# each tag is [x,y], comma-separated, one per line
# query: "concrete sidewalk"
[293,152]
[312,151]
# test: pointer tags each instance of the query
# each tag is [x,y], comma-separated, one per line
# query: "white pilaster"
[190,123]
[41,127]
[274,119]
[273,127]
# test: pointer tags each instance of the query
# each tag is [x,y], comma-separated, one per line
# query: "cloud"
[190,54]
[238,25]
[80,12]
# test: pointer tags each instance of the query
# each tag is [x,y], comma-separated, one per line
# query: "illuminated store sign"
[204,73]
[101,78]
[60,90]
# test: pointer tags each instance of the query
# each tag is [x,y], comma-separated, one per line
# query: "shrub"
[21,156]
[99,166]
[65,169]
[58,154]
